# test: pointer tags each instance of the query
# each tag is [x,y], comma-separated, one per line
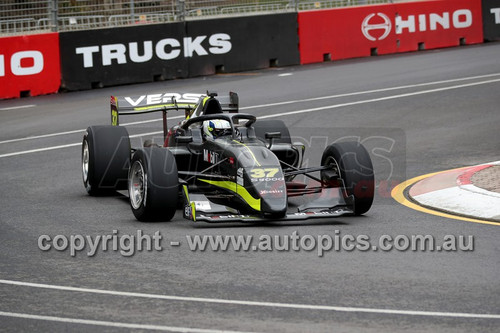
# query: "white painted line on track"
[82,130]
[112,323]
[372,91]
[43,136]
[254,303]
[379,99]
[322,108]
[40,149]
[68,145]
[18,107]
[145,134]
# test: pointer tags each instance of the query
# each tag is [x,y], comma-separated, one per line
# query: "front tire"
[153,185]
[353,164]
[105,159]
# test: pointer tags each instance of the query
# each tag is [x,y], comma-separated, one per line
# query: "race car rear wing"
[135,105]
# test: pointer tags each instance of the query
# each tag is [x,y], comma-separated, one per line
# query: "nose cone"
[269,184]
[260,174]
[275,206]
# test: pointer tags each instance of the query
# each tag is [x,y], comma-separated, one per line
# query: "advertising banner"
[491,19]
[29,65]
[373,30]
[106,57]
[246,43]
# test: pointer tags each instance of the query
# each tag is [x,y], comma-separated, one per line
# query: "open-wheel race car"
[221,165]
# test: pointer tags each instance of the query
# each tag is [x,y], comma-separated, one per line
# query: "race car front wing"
[330,203]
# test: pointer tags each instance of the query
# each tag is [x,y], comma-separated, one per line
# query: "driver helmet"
[215,128]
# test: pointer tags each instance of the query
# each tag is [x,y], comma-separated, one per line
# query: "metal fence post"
[181,9]
[132,11]
[52,6]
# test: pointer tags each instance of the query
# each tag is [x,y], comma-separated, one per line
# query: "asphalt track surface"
[441,110]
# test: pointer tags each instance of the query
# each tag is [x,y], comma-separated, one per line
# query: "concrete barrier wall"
[491,20]
[107,57]
[373,30]
[29,65]
[148,53]
[45,63]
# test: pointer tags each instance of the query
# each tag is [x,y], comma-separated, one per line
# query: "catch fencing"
[42,16]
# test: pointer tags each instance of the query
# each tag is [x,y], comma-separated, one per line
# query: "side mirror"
[272,135]
[183,139]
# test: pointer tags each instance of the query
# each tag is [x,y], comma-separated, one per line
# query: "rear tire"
[353,163]
[153,185]
[105,159]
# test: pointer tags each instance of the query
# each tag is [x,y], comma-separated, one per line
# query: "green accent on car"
[114,118]
[186,193]
[238,189]
[193,211]
[249,150]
